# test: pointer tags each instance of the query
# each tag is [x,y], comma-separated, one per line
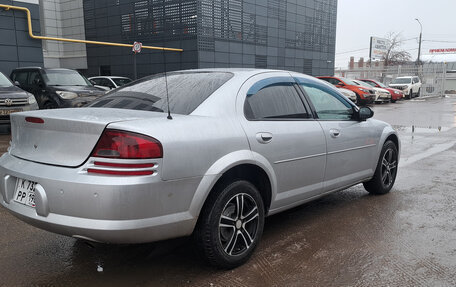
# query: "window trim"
[264,83]
[330,90]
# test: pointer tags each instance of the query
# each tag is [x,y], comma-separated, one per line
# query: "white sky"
[358,20]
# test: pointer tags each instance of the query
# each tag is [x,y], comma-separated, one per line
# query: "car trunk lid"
[64,137]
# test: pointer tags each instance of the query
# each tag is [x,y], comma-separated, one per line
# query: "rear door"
[351,144]
[281,129]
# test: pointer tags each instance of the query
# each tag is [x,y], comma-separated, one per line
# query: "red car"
[395,93]
[364,96]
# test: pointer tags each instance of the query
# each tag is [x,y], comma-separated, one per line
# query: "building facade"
[17,49]
[296,35]
[63,19]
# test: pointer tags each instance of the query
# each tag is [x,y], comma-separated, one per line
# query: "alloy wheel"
[238,224]
[389,167]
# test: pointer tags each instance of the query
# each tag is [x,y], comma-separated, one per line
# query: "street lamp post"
[419,45]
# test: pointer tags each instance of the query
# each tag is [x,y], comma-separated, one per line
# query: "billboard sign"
[378,48]
[443,51]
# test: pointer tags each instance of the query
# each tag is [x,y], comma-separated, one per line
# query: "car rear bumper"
[110,209]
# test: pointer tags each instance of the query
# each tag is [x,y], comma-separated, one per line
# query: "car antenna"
[169,117]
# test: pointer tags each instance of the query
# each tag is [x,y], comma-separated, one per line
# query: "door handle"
[334,133]
[264,137]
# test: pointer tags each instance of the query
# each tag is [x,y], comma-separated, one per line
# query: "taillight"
[127,145]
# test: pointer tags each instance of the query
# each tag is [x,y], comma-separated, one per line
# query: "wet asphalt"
[348,238]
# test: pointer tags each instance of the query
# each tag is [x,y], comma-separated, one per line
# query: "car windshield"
[361,83]
[382,85]
[121,81]
[402,81]
[349,82]
[186,91]
[4,82]
[64,78]
[367,83]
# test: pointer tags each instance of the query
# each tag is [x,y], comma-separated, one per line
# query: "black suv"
[56,88]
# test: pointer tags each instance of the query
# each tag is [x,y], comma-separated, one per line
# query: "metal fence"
[433,76]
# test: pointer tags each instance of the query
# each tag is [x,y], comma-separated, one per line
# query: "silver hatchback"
[207,153]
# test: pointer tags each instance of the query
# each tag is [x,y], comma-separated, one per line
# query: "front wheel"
[386,171]
[230,225]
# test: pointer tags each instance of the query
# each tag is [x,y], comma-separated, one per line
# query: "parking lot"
[349,238]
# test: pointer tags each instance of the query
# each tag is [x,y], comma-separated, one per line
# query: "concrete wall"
[17,49]
[65,19]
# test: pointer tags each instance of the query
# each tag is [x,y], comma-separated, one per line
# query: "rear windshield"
[186,91]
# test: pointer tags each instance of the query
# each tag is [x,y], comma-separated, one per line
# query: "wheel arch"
[245,165]
[388,134]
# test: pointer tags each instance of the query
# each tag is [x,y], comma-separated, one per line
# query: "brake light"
[127,145]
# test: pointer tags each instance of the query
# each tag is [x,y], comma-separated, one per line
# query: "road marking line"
[438,148]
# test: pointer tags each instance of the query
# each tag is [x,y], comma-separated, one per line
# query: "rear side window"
[276,101]
[21,77]
[186,91]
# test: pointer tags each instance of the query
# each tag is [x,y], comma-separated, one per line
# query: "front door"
[281,129]
[351,144]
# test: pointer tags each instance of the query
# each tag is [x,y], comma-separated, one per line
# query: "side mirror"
[92,82]
[365,113]
[16,83]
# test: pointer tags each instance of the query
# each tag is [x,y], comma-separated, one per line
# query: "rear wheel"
[230,225]
[386,171]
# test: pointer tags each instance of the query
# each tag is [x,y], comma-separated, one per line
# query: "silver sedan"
[207,153]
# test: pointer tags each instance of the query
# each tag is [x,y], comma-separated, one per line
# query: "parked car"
[381,95]
[13,99]
[236,145]
[349,94]
[109,82]
[395,93]
[410,85]
[56,88]
[364,95]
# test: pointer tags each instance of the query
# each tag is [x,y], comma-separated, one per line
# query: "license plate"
[25,192]
[8,112]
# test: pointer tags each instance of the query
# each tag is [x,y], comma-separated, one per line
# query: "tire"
[410,95]
[228,232]
[386,171]
[419,93]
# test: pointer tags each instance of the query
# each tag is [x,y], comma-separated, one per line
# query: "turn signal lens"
[127,145]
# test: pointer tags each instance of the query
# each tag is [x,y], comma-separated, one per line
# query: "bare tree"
[394,54]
